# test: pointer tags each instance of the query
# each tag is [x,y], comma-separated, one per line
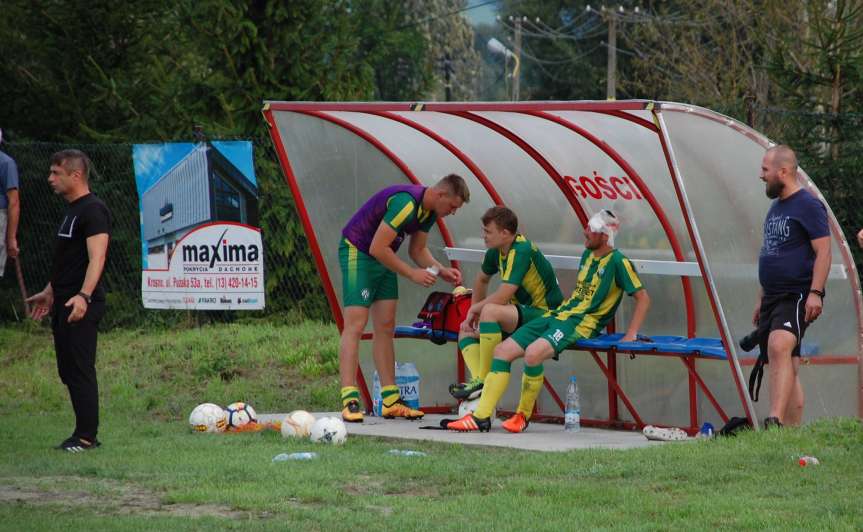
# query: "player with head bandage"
[604,275]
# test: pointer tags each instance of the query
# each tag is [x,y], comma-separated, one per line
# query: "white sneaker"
[661,434]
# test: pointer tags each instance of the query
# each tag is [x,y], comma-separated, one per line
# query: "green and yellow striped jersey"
[525,266]
[598,291]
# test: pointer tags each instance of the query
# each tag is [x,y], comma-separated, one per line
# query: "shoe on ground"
[352,413]
[400,409]
[469,423]
[465,391]
[74,444]
[662,434]
[517,423]
[771,423]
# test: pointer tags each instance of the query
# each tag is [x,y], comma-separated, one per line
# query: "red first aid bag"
[443,313]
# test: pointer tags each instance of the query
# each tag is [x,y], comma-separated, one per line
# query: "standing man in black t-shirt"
[792,268]
[75,295]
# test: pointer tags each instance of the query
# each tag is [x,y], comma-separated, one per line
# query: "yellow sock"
[470,353]
[493,388]
[531,385]
[489,337]
[350,393]
[389,395]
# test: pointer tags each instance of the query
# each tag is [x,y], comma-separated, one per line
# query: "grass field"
[152,473]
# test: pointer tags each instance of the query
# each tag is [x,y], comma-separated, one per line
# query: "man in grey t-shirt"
[9,208]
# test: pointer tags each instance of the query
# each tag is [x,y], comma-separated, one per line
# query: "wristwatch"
[819,293]
[85,296]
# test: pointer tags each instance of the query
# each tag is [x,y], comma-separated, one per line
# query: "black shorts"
[784,312]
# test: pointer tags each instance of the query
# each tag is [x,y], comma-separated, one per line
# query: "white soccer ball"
[292,429]
[240,414]
[302,422]
[329,430]
[208,417]
[469,407]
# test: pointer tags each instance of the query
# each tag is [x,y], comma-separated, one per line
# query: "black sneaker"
[772,422]
[77,445]
[465,391]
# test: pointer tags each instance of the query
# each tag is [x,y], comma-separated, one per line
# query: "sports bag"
[443,313]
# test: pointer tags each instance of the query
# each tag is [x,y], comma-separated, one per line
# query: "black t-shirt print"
[84,217]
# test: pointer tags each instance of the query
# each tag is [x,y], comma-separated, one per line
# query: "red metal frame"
[291,178]
[741,390]
[460,155]
[584,105]
[534,154]
[614,108]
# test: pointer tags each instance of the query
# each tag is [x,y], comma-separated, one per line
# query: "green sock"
[470,353]
[489,337]
[350,393]
[531,385]
[389,395]
[493,388]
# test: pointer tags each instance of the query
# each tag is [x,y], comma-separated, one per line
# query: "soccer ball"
[292,429]
[329,430]
[468,407]
[208,417]
[240,414]
[297,423]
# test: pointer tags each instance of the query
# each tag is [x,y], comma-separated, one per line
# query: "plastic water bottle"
[808,460]
[405,452]
[572,416]
[284,457]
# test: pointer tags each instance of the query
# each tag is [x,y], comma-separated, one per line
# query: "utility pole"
[611,76]
[516,74]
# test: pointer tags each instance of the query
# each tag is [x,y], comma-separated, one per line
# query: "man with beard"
[792,269]
[604,275]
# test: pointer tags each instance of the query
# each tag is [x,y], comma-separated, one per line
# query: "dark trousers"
[75,345]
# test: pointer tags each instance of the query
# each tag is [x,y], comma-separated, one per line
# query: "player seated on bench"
[528,289]
[604,275]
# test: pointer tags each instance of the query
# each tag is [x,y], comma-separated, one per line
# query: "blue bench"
[677,345]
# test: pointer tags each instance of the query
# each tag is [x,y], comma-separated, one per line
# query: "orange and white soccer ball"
[208,417]
[240,414]
[297,424]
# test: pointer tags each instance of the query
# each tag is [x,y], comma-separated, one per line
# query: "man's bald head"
[784,157]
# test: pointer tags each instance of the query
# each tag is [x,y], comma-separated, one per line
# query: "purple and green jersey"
[399,206]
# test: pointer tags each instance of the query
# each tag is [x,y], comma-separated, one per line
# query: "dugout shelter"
[684,182]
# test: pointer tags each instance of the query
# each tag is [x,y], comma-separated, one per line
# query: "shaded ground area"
[538,437]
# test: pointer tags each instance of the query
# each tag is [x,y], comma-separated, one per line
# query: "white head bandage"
[604,222]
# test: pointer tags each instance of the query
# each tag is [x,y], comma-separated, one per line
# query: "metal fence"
[293,288]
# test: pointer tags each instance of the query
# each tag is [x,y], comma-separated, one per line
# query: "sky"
[152,161]
[481,11]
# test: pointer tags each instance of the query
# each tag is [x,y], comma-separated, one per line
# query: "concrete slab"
[539,436]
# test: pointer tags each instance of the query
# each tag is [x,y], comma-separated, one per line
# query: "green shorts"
[364,279]
[528,313]
[559,333]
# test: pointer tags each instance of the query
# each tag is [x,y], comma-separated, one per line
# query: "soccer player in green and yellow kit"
[528,289]
[369,265]
[604,275]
